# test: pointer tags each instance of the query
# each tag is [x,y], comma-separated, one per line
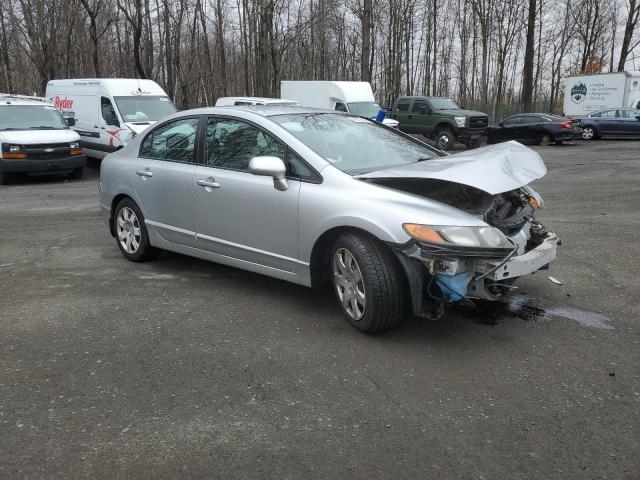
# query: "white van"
[352,97]
[34,138]
[585,94]
[108,112]
[236,101]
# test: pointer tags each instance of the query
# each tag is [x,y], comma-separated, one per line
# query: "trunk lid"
[494,169]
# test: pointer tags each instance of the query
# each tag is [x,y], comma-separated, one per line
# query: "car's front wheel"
[368,282]
[131,232]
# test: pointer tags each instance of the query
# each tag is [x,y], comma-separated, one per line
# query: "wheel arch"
[445,125]
[114,202]
[321,251]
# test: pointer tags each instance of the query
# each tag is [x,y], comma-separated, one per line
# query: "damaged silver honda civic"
[313,197]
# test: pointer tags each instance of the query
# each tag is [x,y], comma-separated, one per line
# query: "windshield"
[353,144]
[443,104]
[364,109]
[144,109]
[31,117]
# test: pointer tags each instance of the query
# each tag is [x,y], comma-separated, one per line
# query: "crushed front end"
[449,264]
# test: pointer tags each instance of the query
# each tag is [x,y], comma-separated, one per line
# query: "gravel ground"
[180,368]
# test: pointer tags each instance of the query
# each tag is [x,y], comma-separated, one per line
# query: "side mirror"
[270,167]
[637,117]
[70,121]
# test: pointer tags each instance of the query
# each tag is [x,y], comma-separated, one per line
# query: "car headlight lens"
[14,148]
[479,237]
[460,121]
[74,145]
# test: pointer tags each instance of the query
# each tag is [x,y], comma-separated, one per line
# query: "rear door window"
[511,121]
[174,141]
[418,105]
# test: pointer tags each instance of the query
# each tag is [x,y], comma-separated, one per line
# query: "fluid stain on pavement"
[521,306]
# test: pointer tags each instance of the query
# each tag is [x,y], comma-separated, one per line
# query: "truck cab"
[441,119]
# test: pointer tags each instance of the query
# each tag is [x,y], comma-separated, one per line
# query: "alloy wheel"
[587,133]
[347,278]
[128,229]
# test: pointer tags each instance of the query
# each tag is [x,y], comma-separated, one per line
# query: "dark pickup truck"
[440,119]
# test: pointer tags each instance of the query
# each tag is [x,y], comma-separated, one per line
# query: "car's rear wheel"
[131,232]
[445,139]
[76,173]
[588,133]
[545,139]
[368,282]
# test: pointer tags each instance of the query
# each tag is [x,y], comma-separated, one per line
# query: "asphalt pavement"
[180,368]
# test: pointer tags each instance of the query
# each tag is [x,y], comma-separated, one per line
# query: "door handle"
[208,183]
[144,173]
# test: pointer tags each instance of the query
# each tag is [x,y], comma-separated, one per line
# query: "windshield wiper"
[43,127]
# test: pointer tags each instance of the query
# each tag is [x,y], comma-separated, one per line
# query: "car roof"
[262,110]
[6,99]
[259,99]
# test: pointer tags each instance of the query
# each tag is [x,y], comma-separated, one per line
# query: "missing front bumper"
[490,278]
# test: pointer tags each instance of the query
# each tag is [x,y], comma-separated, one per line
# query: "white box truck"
[352,97]
[108,112]
[584,94]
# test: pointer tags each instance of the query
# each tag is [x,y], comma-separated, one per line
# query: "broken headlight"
[466,237]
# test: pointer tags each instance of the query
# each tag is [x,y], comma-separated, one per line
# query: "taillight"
[566,124]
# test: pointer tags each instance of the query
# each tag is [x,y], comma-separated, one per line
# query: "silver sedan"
[312,196]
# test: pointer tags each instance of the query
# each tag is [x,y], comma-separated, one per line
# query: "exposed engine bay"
[452,274]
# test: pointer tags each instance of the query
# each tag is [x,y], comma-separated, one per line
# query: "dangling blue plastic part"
[453,287]
[380,116]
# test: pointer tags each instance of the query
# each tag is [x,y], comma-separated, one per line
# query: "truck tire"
[368,282]
[445,139]
[473,143]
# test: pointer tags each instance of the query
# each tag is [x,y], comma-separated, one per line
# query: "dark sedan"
[615,122]
[541,128]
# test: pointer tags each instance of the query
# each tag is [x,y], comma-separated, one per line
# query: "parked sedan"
[615,122]
[314,196]
[540,128]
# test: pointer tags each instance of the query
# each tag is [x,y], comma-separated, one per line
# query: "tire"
[545,139]
[368,282]
[473,143]
[559,142]
[131,236]
[76,174]
[5,178]
[589,133]
[445,139]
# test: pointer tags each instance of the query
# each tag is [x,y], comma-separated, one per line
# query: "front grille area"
[41,151]
[478,122]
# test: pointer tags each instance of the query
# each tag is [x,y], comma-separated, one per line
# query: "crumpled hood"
[461,113]
[31,137]
[493,169]
[138,128]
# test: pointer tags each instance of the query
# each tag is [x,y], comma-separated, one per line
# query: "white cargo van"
[352,97]
[108,112]
[584,94]
[34,138]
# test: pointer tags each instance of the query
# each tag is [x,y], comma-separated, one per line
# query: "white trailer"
[584,94]
[352,97]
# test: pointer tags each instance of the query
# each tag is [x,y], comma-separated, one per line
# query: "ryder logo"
[62,103]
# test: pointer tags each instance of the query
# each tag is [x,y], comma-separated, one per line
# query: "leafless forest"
[496,55]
